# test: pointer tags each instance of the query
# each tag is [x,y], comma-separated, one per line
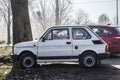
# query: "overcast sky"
[96,7]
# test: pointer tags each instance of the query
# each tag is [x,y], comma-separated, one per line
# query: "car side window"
[49,35]
[101,31]
[80,33]
[57,34]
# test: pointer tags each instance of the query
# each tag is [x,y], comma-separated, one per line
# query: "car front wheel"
[27,60]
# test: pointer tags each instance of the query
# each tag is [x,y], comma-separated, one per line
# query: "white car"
[62,43]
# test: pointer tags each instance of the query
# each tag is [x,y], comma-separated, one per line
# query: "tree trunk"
[8,28]
[21,23]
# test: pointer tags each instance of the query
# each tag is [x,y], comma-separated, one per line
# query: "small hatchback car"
[62,43]
[110,34]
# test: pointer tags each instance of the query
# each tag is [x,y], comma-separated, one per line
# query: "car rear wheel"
[88,59]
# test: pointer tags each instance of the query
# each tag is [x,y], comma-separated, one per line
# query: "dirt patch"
[65,72]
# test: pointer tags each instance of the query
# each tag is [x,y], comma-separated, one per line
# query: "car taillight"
[116,37]
[106,48]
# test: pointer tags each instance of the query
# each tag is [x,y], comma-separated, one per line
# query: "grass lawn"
[5,51]
[5,61]
[4,70]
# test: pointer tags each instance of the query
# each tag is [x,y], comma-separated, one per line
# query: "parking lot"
[108,70]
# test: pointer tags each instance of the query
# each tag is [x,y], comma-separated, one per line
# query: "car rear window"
[117,30]
[101,31]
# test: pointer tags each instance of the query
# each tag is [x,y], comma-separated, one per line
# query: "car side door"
[81,40]
[56,43]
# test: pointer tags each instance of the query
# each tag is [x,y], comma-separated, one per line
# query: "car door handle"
[68,42]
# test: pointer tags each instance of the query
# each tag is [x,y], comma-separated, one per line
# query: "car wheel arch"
[84,52]
[23,52]
[85,55]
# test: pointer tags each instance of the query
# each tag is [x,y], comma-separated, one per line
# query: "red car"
[110,34]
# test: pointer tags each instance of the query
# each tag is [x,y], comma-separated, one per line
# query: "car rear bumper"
[103,56]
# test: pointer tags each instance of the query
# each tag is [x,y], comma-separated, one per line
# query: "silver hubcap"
[28,61]
[89,61]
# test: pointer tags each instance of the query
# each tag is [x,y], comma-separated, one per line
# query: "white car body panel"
[25,46]
[54,48]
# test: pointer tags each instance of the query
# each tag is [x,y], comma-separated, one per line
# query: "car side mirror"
[43,39]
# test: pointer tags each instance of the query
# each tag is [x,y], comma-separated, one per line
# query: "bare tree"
[103,19]
[65,12]
[36,18]
[47,11]
[44,14]
[5,12]
[81,18]
[21,22]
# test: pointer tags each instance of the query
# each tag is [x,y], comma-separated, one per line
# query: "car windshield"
[117,30]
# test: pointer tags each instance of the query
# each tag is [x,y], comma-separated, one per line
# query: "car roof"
[60,26]
[109,26]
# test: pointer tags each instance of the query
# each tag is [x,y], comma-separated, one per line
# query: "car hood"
[26,44]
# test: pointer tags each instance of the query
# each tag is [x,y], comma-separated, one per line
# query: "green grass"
[4,70]
[5,51]
[5,61]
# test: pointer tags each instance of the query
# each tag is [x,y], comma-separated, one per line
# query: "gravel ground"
[65,72]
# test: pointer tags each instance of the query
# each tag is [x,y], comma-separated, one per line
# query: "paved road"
[113,61]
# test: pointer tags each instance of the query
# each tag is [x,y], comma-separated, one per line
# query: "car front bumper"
[14,58]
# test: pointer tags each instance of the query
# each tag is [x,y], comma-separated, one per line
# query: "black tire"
[27,60]
[88,59]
